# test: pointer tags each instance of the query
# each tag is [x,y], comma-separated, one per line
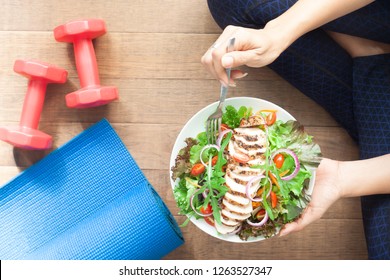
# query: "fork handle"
[224,90]
[222,97]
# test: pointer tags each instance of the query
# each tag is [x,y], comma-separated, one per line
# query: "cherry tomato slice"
[260,215]
[207,210]
[209,220]
[214,160]
[279,160]
[241,158]
[271,118]
[224,127]
[197,169]
[274,199]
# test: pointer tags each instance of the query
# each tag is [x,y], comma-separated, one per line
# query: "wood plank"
[158,101]
[155,154]
[324,239]
[128,56]
[168,16]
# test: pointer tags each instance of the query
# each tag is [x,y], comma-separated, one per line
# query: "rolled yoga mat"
[85,200]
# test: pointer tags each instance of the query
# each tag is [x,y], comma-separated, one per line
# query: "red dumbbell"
[81,33]
[26,135]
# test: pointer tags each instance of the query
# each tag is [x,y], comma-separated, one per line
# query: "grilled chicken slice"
[234,216]
[244,170]
[251,134]
[239,188]
[226,229]
[240,210]
[252,121]
[236,199]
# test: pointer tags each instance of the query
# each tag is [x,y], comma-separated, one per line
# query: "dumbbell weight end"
[26,138]
[91,97]
[26,135]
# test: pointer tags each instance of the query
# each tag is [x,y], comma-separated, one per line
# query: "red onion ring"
[196,211]
[236,230]
[221,135]
[206,192]
[207,147]
[259,224]
[249,184]
[296,161]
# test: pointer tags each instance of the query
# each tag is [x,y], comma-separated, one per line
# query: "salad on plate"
[253,180]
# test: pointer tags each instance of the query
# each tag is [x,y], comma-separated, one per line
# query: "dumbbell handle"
[86,64]
[33,103]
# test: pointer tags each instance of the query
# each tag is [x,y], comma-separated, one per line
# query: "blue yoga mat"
[85,200]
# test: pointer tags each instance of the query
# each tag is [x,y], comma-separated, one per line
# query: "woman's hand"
[253,48]
[326,191]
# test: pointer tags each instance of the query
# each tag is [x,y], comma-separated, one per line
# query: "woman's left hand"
[327,190]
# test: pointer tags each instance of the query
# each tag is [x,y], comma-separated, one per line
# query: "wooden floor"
[152,53]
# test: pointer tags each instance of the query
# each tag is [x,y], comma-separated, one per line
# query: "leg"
[372,108]
[371,22]
[357,46]
[371,89]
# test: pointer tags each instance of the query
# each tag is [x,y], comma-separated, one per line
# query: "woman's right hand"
[253,48]
[260,47]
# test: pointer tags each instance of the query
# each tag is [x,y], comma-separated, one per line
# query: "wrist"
[347,179]
[288,27]
[329,174]
[280,33]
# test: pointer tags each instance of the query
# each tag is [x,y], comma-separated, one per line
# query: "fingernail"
[223,83]
[282,233]
[227,61]
[242,76]
[232,84]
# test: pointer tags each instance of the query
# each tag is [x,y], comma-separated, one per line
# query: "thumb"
[237,58]
[307,217]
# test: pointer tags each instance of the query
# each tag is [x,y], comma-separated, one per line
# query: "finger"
[220,49]
[211,60]
[208,64]
[253,58]
[220,71]
[308,216]
[288,228]
[237,74]
[222,40]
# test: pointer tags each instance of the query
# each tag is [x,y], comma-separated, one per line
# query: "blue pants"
[355,91]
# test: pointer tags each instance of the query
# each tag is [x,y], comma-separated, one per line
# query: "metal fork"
[214,121]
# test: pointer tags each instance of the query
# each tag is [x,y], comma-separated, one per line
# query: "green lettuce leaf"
[182,161]
[232,117]
[291,135]
[182,193]
[196,149]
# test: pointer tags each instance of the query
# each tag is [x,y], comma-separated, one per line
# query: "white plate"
[197,124]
